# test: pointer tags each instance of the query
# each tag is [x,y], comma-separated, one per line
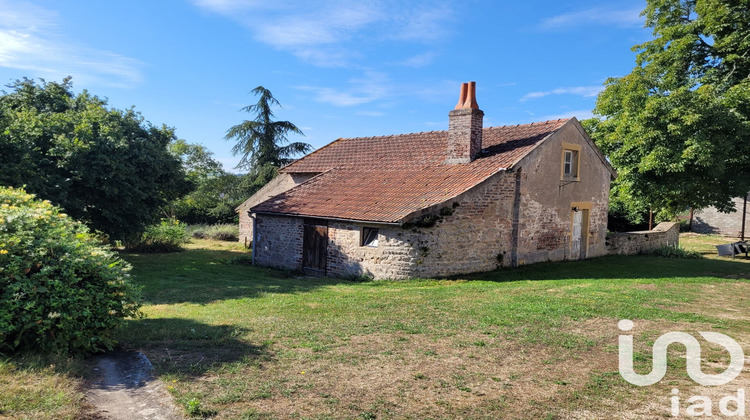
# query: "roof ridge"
[440,131]
[393,135]
[531,123]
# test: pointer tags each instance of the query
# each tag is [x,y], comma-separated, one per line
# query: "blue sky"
[339,68]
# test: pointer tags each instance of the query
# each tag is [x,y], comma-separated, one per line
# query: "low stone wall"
[643,242]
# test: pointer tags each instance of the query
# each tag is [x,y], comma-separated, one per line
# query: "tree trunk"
[650,220]
[690,225]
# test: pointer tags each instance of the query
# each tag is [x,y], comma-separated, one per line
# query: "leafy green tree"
[677,128]
[262,143]
[106,167]
[217,192]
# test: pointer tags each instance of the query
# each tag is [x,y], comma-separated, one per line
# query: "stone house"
[435,203]
[710,220]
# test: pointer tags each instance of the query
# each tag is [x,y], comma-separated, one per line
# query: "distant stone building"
[436,203]
[711,220]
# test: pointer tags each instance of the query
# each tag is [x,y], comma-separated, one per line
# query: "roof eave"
[338,219]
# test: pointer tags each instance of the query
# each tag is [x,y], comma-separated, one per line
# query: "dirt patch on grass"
[414,375]
[726,300]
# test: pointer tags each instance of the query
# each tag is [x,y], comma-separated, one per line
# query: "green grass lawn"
[535,342]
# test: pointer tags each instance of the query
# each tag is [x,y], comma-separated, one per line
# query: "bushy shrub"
[60,291]
[220,232]
[674,252]
[197,231]
[167,236]
[224,232]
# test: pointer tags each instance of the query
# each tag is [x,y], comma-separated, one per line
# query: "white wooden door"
[576,235]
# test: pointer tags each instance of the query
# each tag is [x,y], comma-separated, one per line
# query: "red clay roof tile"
[386,179]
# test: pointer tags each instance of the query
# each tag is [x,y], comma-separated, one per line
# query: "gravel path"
[124,389]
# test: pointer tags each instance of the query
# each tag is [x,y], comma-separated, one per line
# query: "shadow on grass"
[185,347]
[203,276]
[620,267]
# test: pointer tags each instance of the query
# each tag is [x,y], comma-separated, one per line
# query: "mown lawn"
[535,342]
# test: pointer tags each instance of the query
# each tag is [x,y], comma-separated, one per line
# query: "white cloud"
[580,114]
[31,40]
[585,91]
[419,60]
[329,33]
[372,87]
[595,16]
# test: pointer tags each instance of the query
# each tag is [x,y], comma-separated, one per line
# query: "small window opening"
[570,164]
[369,236]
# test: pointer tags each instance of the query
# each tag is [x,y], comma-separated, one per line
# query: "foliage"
[675,252]
[262,143]
[220,232]
[677,128]
[224,232]
[59,289]
[217,192]
[167,236]
[239,260]
[106,167]
[625,216]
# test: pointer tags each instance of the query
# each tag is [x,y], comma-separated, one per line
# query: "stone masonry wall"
[711,220]
[467,241]
[545,225]
[279,242]
[643,242]
[283,182]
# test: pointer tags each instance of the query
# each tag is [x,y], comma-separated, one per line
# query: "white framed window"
[570,164]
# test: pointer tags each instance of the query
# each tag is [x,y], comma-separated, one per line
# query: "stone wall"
[283,182]
[711,220]
[643,242]
[279,242]
[467,241]
[547,200]
[512,218]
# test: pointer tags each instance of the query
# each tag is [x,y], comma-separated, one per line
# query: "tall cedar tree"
[262,142]
[106,167]
[677,128]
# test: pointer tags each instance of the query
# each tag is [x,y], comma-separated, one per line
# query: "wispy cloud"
[580,114]
[585,91]
[595,16]
[31,40]
[419,60]
[371,87]
[330,33]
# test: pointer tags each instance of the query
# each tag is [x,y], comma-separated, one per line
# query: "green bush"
[167,236]
[224,232]
[220,232]
[674,252]
[60,291]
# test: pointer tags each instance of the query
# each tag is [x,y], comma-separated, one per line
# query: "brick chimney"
[465,127]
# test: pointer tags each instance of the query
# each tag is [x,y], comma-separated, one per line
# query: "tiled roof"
[385,179]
